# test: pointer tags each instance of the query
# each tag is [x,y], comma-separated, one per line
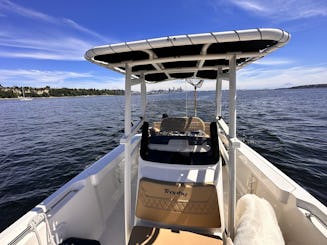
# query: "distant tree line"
[15,92]
[310,86]
[58,92]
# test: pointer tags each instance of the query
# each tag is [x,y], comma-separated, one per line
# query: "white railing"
[134,131]
[222,124]
[313,211]
[223,145]
[32,227]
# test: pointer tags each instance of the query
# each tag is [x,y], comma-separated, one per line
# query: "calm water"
[46,142]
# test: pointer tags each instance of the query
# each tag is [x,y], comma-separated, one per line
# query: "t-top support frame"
[129,132]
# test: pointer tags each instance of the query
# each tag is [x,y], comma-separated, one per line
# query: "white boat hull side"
[91,204]
[258,176]
[83,207]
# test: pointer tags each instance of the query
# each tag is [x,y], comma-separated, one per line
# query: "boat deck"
[151,235]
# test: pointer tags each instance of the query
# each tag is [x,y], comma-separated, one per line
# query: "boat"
[179,180]
[24,98]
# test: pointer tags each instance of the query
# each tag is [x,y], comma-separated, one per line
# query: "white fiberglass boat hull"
[91,204]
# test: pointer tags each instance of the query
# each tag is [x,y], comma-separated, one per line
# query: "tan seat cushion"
[173,124]
[194,124]
[182,124]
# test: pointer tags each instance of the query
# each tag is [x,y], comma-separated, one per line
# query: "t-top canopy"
[188,56]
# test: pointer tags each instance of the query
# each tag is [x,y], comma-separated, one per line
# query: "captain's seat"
[182,124]
[180,141]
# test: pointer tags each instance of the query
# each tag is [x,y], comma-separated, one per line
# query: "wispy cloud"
[58,78]
[248,78]
[9,6]
[44,77]
[54,38]
[251,5]
[263,78]
[281,10]
[254,78]
[273,61]
[83,29]
[61,48]
[42,55]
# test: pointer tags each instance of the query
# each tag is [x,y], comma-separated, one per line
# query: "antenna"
[196,85]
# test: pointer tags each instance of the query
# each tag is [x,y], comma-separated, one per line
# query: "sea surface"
[47,141]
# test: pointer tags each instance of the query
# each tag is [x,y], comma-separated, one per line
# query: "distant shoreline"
[307,86]
[46,92]
[56,97]
[9,93]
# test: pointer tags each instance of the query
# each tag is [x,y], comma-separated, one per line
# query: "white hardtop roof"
[188,56]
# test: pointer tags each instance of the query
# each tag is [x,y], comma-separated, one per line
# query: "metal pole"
[218,93]
[143,95]
[195,101]
[186,101]
[232,149]
[127,168]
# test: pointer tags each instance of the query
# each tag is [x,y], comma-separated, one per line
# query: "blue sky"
[43,42]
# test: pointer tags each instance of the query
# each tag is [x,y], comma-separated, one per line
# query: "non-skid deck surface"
[150,235]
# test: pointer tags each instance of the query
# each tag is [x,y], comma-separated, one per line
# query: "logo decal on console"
[175,193]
